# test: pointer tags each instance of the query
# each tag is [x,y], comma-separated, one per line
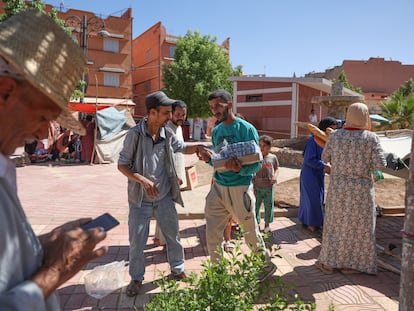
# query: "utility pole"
[407,261]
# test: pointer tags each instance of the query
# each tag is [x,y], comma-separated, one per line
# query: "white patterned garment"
[348,239]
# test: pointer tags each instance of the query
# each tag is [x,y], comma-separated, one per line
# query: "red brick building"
[150,49]
[276,105]
[377,77]
[108,72]
[109,66]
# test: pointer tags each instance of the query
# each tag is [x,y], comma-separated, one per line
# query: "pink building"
[276,105]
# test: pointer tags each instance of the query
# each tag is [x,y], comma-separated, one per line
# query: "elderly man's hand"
[67,249]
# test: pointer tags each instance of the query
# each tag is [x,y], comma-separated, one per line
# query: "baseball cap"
[158,98]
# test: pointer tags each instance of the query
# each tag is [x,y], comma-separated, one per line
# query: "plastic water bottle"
[378,175]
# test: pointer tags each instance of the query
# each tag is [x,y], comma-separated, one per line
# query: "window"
[111,46]
[147,86]
[111,80]
[172,52]
[148,55]
[254,98]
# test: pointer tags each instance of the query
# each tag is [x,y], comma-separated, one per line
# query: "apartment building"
[377,77]
[276,106]
[107,43]
[151,49]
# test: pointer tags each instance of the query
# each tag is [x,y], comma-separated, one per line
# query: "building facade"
[151,49]
[377,77]
[278,106]
[107,43]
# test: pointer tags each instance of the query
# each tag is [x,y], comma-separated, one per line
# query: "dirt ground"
[389,192]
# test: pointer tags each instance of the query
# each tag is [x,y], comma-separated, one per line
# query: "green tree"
[200,66]
[407,88]
[399,108]
[343,79]
[15,6]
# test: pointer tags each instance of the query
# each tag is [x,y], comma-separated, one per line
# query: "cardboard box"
[220,165]
[192,179]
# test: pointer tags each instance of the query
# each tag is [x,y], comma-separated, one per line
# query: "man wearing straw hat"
[40,66]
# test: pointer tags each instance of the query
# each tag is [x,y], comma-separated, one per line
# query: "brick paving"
[52,194]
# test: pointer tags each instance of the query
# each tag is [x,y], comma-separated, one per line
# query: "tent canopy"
[87,108]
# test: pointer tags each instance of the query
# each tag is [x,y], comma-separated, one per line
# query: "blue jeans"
[138,222]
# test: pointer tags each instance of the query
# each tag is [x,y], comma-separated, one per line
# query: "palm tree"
[399,108]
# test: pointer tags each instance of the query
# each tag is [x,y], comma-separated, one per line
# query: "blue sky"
[280,37]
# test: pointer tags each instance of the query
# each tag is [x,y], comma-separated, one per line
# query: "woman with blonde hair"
[348,240]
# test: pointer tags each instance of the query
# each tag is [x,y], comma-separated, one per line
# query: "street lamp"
[85,26]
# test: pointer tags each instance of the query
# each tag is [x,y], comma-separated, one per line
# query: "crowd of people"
[63,144]
[33,267]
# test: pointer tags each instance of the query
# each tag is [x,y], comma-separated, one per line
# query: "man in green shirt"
[231,194]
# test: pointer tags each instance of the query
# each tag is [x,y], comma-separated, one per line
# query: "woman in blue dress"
[312,185]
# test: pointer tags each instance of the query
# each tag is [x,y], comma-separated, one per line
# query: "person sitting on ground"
[40,66]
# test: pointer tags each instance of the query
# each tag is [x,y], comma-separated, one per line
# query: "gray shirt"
[154,160]
[21,252]
[262,178]
[155,153]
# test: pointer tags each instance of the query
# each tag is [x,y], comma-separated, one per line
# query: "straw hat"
[46,56]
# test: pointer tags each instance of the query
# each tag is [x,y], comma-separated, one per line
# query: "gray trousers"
[237,202]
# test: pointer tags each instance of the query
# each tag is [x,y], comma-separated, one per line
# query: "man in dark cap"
[147,160]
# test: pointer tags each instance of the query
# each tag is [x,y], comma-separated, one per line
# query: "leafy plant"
[399,108]
[344,80]
[230,284]
[200,66]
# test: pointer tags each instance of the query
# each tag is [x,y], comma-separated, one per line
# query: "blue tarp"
[110,122]
[378,118]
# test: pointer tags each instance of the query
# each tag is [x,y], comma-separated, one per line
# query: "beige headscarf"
[357,116]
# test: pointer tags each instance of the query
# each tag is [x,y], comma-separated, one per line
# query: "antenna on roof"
[62,5]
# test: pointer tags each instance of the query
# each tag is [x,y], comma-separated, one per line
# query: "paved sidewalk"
[54,194]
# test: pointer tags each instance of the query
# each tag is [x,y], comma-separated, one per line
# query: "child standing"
[264,182]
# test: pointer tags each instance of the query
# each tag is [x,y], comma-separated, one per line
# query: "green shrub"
[231,284]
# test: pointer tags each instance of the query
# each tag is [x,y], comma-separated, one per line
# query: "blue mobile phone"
[105,221]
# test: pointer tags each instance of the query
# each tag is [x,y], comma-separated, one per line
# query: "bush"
[228,285]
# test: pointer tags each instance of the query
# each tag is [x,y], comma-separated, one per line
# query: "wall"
[282,104]
[120,30]
[146,76]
